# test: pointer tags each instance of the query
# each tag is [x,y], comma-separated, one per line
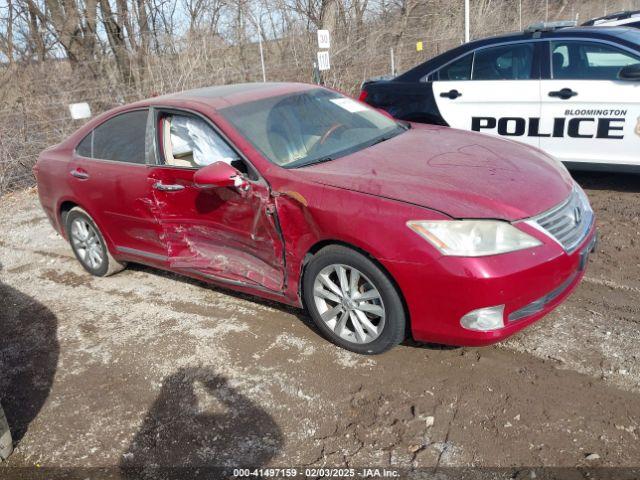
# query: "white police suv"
[573,92]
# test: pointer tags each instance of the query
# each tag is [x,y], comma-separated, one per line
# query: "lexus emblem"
[577,215]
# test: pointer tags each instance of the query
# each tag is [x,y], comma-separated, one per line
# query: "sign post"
[324,39]
[323,61]
[466,21]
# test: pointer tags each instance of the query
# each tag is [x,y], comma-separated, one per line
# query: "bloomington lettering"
[595,113]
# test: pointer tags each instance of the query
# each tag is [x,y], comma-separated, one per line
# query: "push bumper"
[529,283]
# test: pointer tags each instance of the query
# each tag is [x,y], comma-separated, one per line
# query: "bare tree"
[73,24]
[6,36]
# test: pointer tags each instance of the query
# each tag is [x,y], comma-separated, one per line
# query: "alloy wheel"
[349,303]
[87,243]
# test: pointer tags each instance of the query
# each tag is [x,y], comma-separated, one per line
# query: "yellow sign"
[418,46]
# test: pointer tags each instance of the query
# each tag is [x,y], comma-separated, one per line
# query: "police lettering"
[577,127]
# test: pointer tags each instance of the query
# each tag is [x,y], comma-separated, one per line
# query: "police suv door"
[493,89]
[588,115]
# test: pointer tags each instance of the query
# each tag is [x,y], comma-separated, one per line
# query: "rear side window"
[457,70]
[506,62]
[121,138]
[85,147]
[580,60]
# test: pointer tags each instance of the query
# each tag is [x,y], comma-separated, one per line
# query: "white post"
[520,13]
[546,10]
[466,21]
[264,73]
[393,62]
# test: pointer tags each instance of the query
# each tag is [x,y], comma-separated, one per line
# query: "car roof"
[601,32]
[216,97]
[613,17]
[221,96]
[621,34]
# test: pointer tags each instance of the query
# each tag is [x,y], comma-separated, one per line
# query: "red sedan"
[301,195]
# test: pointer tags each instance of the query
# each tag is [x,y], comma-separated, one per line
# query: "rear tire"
[353,301]
[88,244]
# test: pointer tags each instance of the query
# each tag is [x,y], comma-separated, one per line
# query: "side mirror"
[630,73]
[218,174]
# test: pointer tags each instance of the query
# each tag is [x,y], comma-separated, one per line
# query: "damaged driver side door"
[226,233]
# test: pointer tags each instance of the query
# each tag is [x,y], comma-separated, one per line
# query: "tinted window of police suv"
[505,62]
[578,60]
[121,138]
[457,70]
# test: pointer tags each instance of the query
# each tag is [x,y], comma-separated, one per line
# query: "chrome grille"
[568,223]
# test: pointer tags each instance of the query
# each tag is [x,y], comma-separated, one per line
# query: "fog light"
[484,319]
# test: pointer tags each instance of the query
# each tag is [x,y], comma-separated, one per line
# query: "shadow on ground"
[29,353]
[198,424]
[619,182]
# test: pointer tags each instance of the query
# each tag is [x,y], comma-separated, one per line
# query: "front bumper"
[529,283]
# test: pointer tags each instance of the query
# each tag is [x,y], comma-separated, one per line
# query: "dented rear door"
[222,233]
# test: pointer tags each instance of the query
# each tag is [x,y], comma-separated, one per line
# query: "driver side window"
[505,62]
[578,60]
[188,141]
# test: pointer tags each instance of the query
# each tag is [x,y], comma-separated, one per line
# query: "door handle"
[81,174]
[168,187]
[564,94]
[451,94]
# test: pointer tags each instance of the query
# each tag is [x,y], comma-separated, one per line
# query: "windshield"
[308,127]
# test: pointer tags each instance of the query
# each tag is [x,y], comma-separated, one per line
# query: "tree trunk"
[115,35]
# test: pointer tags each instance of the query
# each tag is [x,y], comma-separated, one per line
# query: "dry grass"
[35,96]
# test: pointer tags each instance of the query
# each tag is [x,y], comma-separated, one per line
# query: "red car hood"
[463,174]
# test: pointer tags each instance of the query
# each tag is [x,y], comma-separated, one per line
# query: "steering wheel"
[336,127]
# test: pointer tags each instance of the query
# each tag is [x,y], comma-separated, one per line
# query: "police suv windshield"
[309,127]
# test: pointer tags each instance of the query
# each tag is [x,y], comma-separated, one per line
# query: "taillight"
[363,95]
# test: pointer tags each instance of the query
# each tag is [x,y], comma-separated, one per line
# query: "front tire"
[88,244]
[353,301]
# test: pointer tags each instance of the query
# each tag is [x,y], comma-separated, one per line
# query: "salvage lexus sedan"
[295,193]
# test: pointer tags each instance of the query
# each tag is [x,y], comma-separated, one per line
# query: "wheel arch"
[316,247]
[63,210]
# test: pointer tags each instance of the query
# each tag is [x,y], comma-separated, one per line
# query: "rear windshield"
[307,127]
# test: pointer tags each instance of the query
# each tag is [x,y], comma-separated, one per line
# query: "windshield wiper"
[328,158]
[384,138]
[388,136]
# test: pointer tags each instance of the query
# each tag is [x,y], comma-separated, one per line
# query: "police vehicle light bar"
[549,26]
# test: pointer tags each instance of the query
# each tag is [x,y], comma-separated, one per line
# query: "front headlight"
[473,238]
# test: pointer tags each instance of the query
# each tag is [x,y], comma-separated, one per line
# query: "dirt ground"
[148,369]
